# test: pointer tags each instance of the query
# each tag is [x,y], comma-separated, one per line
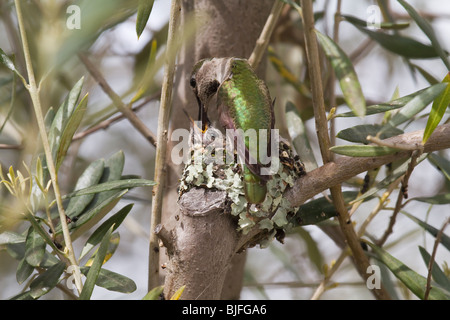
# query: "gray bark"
[202,248]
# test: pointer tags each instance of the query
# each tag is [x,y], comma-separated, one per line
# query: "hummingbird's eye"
[192,82]
[213,86]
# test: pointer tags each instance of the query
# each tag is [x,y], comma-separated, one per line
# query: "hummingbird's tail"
[254,187]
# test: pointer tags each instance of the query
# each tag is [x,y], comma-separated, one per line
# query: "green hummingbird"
[243,102]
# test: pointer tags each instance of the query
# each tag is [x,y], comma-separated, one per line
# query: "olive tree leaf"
[143,13]
[438,108]
[363,150]
[94,270]
[98,234]
[417,104]
[8,63]
[47,280]
[112,281]
[72,125]
[428,30]
[411,279]
[343,68]
[396,43]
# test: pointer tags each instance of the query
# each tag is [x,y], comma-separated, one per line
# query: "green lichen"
[270,215]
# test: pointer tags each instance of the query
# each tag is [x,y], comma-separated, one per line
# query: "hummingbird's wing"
[242,150]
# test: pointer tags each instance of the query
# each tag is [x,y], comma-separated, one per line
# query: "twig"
[322,286]
[11,146]
[264,38]
[332,76]
[106,123]
[125,109]
[433,255]
[403,193]
[361,261]
[344,168]
[35,97]
[161,146]
[384,143]
[312,53]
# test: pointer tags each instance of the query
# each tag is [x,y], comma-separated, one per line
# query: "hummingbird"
[243,102]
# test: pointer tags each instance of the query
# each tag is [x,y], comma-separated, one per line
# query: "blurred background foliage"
[397,61]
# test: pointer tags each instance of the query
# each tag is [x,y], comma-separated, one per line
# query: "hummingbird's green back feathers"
[244,103]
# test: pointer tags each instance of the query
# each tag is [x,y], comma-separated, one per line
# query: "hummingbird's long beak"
[202,115]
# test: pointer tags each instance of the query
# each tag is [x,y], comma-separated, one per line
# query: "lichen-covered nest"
[272,214]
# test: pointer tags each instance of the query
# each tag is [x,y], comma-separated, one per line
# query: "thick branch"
[344,168]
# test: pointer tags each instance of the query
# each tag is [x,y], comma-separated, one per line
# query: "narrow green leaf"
[363,150]
[49,117]
[23,296]
[104,201]
[436,200]
[62,117]
[111,185]
[148,78]
[428,30]
[359,133]
[112,281]
[154,294]
[425,74]
[318,210]
[97,212]
[94,270]
[391,177]
[178,293]
[445,240]
[47,280]
[382,25]
[417,104]
[403,46]
[345,73]
[440,104]
[90,177]
[24,270]
[411,279]
[73,122]
[389,284]
[300,140]
[286,73]
[35,248]
[314,254]
[441,164]
[113,171]
[7,62]
[383,107]
[11,103]
[112,247]
[143,13]
[98,234]
[438,275]
[11,237]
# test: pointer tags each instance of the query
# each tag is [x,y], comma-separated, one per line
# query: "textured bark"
[204,257]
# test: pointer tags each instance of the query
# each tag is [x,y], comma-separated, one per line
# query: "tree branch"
[312,54]
[161,147]
[343,168]
[125,109]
